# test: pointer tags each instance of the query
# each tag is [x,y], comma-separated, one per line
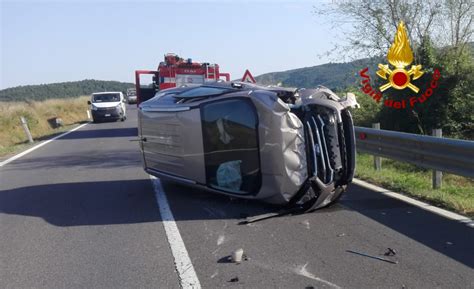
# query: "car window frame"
[257,132]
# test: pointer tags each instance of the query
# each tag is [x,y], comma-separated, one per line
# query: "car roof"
[106,92]
[244,86]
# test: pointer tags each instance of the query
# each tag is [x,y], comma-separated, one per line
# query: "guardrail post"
[377,159]
[24,124]
[437,175]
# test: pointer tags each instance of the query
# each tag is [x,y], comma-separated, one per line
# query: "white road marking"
[419,204]
[186,274]
[15,157]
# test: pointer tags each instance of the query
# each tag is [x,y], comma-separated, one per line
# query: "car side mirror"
[124,101]
[89,102]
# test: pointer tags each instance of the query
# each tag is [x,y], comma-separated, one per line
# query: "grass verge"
[12,137]
[456,194]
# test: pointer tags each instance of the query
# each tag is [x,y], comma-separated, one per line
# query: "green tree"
[61,90]
[450,23]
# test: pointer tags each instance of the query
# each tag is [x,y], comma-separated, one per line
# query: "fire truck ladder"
[210,75]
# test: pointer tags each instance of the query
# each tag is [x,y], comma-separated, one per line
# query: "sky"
[57,41]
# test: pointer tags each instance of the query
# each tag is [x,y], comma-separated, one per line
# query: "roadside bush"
[37,113]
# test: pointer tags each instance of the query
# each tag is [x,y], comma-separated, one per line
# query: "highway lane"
[310,249]
[80,213]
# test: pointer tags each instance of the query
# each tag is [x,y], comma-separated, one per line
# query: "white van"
[131,95]
[108,106]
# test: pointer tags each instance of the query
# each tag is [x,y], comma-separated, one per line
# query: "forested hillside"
[61,90]
[336,76]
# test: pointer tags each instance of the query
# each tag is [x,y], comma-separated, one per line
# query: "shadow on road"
[133,201]
[102,133]
[445,236]
[84,204]
[91,159]
[451,238]
[189,203]
[120,202]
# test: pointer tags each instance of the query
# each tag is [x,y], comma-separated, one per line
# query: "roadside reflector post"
[377,159]
[24,124]
[437,175]
[88,114]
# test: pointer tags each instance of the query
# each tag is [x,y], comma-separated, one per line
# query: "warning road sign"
[248,77]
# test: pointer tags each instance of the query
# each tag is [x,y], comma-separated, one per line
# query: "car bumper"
[107,114]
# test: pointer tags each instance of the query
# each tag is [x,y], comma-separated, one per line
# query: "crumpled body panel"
[282,149]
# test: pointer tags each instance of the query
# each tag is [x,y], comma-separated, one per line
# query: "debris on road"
[279,213]
[302,271]
[341,235]
[237,255]
[214,274]
[306,224]
[447,244]
[373,257]
[252,219]
[235,279]
[220,240]
[390,252]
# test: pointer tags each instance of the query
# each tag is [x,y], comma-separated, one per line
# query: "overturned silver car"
[284,146]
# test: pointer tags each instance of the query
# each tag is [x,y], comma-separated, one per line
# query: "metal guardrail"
[442,154]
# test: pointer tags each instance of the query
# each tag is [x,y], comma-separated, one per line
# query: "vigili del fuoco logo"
[400,56]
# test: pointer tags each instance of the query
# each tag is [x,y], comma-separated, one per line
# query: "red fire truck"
[175,72]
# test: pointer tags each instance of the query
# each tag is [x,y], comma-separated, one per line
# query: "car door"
[172,141]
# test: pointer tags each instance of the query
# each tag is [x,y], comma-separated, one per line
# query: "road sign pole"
[377,159]
[24,124]
[437,175]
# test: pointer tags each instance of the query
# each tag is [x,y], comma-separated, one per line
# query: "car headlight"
[93,107]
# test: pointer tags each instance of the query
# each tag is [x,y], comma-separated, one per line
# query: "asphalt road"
[80,212]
